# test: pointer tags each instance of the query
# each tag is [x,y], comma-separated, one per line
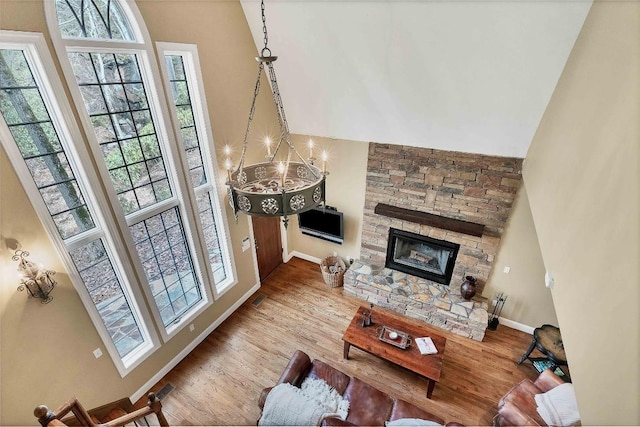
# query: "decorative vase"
[468,287]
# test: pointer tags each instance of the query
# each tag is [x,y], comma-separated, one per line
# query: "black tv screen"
[324,223]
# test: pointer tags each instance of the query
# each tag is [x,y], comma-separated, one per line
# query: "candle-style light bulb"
[228,166]
[310,144]
[267,142]
[227,150]
[324,161]
[281,171]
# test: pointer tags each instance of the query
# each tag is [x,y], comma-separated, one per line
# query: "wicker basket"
[331,276]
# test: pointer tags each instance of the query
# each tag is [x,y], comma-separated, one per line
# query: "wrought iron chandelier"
[271,188]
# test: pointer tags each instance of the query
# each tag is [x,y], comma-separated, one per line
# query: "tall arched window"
[164,239]
[37,131]
[181,70]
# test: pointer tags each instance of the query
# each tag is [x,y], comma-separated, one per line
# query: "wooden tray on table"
[403,340]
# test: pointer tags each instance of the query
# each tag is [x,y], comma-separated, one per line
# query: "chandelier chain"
[264,188]
[265,36]
[256,90]
[282,119]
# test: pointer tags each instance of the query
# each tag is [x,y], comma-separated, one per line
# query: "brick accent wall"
[470,187]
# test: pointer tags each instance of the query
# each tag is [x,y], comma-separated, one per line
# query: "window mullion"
[201,189]
[80,45]
[135,217]
[84,238]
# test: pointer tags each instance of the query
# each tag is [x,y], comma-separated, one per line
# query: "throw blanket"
[558,406]
[326,396]
[287,405]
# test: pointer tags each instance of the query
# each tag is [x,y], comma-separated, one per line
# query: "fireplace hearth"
[421,256]
[419,298]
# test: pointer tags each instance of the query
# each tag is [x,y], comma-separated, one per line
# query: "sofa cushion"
[404,409]
[330,375]
[368,405]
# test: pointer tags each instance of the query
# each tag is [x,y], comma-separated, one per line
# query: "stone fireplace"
[444,186]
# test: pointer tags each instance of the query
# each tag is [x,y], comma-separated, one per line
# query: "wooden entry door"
[266,233]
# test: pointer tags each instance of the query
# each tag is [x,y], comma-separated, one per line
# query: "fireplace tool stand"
[497,309]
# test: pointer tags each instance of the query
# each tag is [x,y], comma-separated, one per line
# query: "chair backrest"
[81,416]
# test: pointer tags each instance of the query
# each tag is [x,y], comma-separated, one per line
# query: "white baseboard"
[302,256]
[515,325]
[172,364]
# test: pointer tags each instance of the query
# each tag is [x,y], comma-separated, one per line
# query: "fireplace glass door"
[421,256]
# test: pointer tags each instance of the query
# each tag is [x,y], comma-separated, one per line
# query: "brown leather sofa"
[368,406]
[518,406]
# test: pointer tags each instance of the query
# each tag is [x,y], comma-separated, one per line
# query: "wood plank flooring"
[220,381]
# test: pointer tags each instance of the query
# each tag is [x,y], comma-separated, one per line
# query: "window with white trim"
[189,108]
[165,239]
[111,60]
[37,131]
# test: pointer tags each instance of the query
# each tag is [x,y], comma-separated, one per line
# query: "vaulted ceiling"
[471,76]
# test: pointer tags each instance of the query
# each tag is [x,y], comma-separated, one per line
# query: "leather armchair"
[518,406]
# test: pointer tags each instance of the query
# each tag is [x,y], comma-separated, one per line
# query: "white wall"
[470,76]
[583,181]
[529,302]
[347,166]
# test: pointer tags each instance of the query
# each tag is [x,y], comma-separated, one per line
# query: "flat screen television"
[324,223]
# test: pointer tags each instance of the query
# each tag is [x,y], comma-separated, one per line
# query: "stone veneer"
[418,298]
[470,187]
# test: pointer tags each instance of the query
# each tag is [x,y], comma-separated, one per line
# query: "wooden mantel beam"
[438,221]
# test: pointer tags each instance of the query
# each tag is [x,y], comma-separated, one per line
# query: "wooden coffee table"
[366,339]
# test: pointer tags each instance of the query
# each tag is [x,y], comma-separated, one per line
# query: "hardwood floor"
[220,381]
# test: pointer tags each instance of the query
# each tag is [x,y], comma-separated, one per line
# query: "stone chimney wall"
[470,187]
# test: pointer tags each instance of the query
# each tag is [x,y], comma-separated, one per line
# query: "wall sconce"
[36,279]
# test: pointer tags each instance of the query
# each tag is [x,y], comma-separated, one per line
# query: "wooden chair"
[109,415]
